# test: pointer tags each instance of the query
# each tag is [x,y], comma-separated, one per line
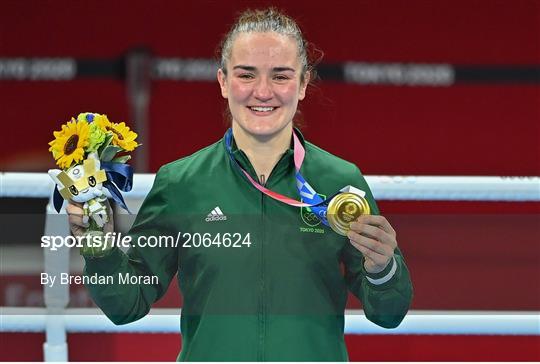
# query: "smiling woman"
[263,75]
[281,295]
[263,82]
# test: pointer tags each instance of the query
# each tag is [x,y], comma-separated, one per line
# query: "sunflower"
[69,143]
[123,136]
[102,121]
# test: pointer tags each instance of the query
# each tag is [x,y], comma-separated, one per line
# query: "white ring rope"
[39,185]
[168,321]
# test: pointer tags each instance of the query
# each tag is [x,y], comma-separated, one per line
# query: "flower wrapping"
[92,154]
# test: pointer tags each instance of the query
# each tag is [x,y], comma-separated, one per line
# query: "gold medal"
[345,208]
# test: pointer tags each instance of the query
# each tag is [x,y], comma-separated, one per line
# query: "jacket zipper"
[262,305]
[262,314]
[262,308]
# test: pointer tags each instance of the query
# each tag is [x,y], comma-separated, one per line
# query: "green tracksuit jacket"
[281,293]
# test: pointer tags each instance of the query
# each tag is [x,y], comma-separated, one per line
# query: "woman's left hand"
[375,238]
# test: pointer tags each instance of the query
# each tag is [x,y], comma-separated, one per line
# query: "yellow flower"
[123,136]
[69,143]
[103,122]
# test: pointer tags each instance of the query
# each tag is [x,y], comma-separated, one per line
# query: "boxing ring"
[139,69]
[56,320]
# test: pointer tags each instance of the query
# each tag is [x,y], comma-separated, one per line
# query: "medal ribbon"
[308,194]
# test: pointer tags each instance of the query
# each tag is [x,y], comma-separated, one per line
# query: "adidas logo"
[216,215]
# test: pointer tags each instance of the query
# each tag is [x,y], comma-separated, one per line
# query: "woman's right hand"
[77,224]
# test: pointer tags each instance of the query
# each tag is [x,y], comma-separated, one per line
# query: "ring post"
[56,297]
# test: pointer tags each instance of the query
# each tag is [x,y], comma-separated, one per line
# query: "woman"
[259,280]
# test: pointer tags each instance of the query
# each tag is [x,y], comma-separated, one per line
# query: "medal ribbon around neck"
[308,194]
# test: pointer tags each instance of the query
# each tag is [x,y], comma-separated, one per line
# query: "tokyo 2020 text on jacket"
[261,280]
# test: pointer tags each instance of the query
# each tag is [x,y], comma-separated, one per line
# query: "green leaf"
[109,152]
[121,159]
[106,143]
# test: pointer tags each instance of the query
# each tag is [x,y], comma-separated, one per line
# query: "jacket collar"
[284,164]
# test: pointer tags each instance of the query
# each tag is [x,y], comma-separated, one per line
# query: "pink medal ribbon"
[305,190]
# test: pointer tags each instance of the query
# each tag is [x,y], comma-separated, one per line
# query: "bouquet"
[92,154]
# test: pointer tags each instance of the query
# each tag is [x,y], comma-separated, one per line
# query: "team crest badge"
[308,216]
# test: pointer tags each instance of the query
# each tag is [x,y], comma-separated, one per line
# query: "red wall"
[466,129]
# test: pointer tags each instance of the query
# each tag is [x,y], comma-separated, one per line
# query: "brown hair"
[264,21]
